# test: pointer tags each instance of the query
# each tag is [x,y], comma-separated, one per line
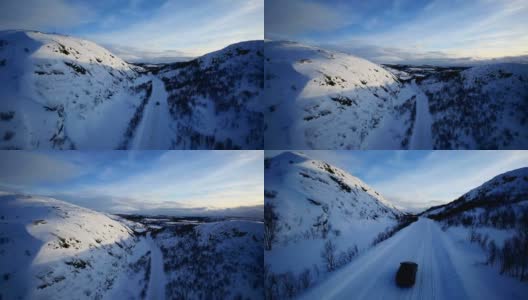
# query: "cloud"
[28,168]
[37,14]
[284,18]
[392,55]
[132,54]
[191,28]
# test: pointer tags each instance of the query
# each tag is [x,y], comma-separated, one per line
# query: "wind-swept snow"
[447,269]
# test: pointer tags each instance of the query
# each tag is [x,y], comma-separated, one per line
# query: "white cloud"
[284,18]
[193,30]
[37,14]
[23,167]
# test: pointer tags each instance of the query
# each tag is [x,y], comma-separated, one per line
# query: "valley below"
[53,249]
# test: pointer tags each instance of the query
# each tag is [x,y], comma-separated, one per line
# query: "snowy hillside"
[507,189]
[216,99]
[494,217]
[310,204]
[63,92]
[51,249]
[321,99]
[218,260]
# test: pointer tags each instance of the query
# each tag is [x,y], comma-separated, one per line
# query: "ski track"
[156,287]
[154,129]
[421,135]
[441,273]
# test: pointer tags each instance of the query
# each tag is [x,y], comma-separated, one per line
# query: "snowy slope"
[484,107]
[507,189]
[59,92]
[215,100]
[51,249]
[315,202]
[217,260]
[494,218]
[63,92]
[447,269]
[321,99]
[55,250]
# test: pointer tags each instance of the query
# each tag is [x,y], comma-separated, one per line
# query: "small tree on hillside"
[270,225]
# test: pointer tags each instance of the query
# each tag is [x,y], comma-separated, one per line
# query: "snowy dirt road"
[421,135]
[154,129]
[156,287]
[446,270]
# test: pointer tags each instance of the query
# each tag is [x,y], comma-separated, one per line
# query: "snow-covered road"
[447,269]
[421,135]
[156,287]
[154,130]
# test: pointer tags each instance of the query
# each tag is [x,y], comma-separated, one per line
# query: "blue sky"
[414,180]
[405,30]
[142,27]
[170,182]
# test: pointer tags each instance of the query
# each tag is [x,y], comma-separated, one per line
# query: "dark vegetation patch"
[39,222]
[8,135]
[321,114]
[342,185]
[145,88]
[78,263]
[62,49]
[52,72]
[343,100]
[6,115]
[270,194]
[314,202]
[77,68]
[403,222]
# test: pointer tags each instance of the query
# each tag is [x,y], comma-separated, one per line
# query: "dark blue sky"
[396,30]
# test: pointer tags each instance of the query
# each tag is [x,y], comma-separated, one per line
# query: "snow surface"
[447,269]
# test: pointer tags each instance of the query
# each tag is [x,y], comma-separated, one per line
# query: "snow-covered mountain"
[51,249]
[505,190]
[62,92]
[476,249]
[309,203]
[494,216]
[321,99]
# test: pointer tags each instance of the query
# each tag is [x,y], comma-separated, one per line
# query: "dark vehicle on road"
[406,275]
